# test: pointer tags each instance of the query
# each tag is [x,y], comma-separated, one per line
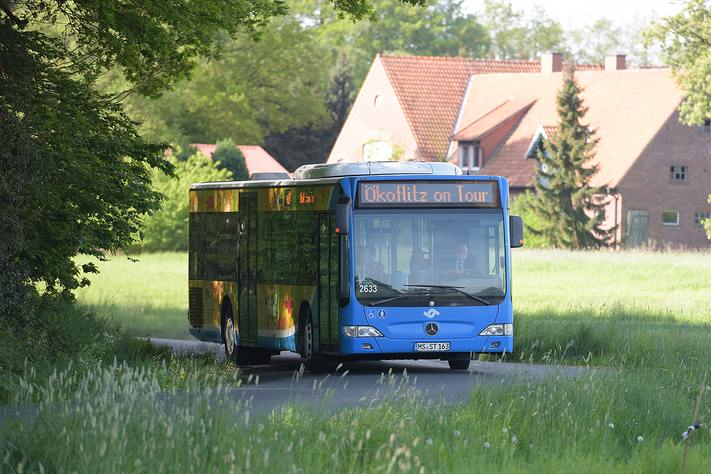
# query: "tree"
[312,144]
[568,210]
[685,40]
[167,228]
[593,43]
[255,90]
[514,36]
[228,157]
[73,175]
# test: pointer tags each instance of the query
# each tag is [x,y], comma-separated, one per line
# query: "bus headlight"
[361,331]
[498,330]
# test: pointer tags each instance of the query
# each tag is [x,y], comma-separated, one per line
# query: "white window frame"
[670,223]
[699,217]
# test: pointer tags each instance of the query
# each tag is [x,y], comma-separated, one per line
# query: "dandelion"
[487,445]
[514,439]
[504,430]
[611,425]
[457,432]
[640,439]
[429,441]
[530,446]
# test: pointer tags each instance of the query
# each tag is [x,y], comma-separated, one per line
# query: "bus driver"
[461,264]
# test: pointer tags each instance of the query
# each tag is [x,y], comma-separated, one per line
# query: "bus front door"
[328,332]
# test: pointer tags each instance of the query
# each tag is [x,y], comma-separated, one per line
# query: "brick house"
[489,117]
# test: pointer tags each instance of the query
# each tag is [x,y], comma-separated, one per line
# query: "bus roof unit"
[341,170]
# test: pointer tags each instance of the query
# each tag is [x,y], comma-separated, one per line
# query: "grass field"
[640,320]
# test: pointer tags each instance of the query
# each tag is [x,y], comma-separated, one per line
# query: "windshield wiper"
[457,289]
[388,300]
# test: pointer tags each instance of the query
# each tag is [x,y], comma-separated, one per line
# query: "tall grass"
[600,422]
[643,333]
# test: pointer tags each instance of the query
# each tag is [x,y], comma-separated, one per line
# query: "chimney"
[615,62]
[551,62]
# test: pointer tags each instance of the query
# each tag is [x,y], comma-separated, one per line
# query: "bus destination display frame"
[478,194]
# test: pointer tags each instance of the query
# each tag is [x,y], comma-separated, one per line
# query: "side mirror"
[516,231]
[343,215]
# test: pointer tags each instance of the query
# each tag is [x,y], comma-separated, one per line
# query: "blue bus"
[354,261]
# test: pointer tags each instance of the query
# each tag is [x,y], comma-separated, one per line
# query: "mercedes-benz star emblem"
[431,329]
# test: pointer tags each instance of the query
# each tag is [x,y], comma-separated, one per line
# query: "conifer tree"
[569,210]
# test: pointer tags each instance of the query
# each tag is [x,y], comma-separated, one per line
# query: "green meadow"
[639,321]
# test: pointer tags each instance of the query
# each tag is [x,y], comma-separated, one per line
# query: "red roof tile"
[255,157]
[482,125]
[430,91]
[626,109]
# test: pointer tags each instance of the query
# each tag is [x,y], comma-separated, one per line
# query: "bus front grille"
[195,313]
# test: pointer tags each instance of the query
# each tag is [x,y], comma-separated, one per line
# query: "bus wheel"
[313,361]
[234,353]
[230,346]
[458,364]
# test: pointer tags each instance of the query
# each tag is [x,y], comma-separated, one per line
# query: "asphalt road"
[283,381]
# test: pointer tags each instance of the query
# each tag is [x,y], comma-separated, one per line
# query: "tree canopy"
[685,39]
[73,175]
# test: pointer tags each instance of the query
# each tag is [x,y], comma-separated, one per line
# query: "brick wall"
[647,185]
[376,115]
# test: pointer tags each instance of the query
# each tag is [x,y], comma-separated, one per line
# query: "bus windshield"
[411,257]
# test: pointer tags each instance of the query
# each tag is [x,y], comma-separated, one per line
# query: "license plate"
[432,346]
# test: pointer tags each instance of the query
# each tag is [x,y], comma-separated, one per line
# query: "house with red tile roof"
[255,157]
[656,171]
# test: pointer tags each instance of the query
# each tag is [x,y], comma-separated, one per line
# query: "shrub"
[167,230]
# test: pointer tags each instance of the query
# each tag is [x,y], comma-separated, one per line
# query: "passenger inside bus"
[419,268]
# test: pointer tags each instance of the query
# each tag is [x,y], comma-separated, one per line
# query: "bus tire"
[233,352]
[458,364]
[228,333]
[314,363]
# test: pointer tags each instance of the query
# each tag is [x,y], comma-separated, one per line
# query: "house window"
[678,173]
[700,217]
[468,159]
[705,127]
[670,217]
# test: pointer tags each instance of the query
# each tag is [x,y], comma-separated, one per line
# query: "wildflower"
[686,433]
[487,445]
[640,439]
[611,425]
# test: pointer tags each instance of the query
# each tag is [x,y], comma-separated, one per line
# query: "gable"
[375,122]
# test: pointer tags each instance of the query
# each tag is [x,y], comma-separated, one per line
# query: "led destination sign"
[428,194]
